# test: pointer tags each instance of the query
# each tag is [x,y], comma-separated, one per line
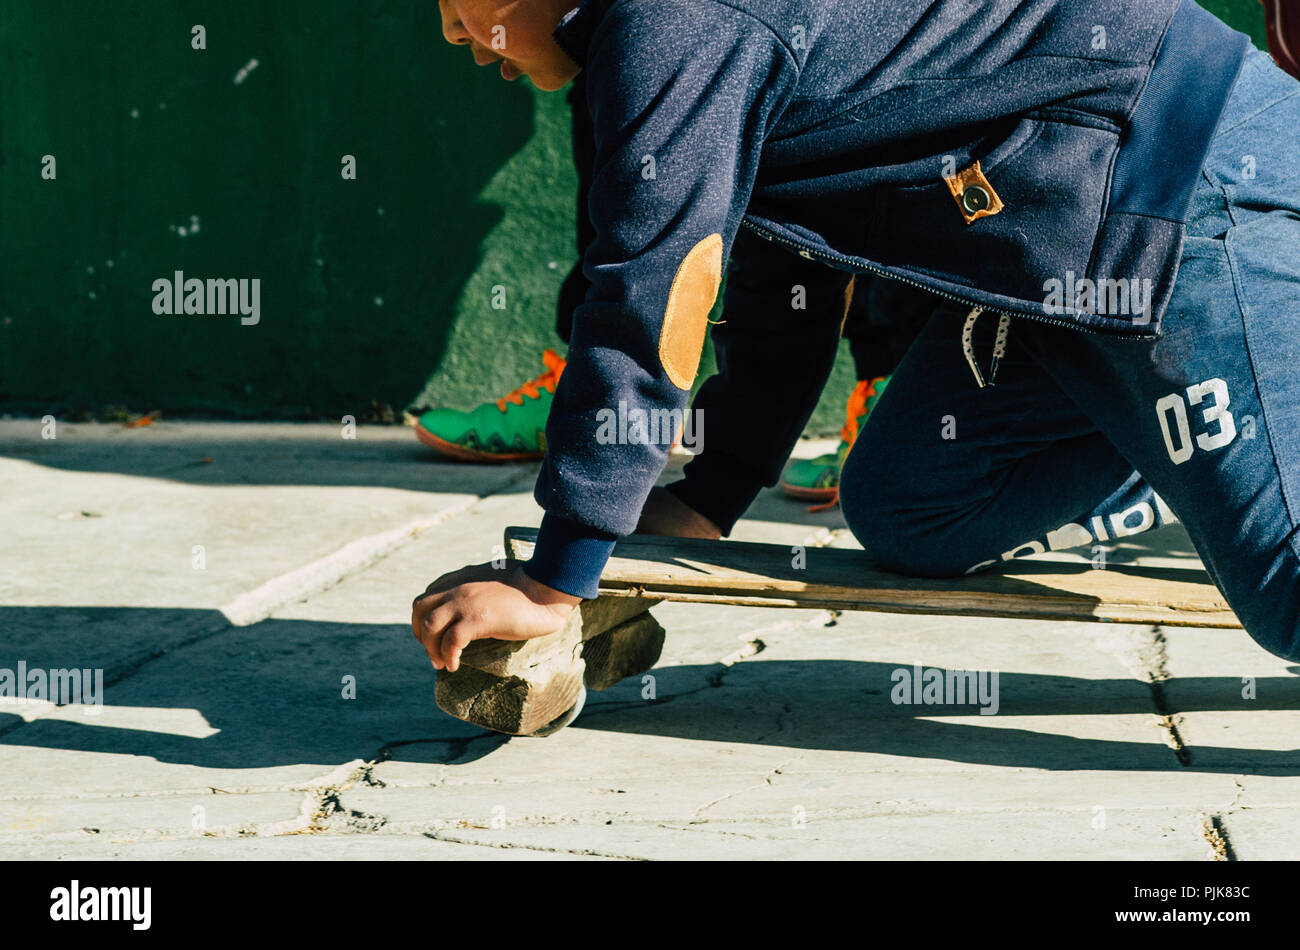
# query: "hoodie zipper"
[810,254]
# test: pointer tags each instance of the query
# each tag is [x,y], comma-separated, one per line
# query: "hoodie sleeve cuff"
[570,556]
[720,494]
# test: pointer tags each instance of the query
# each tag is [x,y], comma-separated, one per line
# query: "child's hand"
[665,514]
[482,601]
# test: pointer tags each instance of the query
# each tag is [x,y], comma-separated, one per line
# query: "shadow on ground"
[390,458]
[274,693]
[380,456]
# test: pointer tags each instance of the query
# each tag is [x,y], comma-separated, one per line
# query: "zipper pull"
[999,346]
[968,345]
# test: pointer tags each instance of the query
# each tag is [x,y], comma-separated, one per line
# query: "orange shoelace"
[855,410]
[857,407]
[532,389]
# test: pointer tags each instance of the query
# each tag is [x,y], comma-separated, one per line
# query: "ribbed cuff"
[720,494]
[569,556]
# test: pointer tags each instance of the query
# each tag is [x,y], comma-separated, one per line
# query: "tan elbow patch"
[694,290]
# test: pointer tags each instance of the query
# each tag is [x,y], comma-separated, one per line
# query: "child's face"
[515,32]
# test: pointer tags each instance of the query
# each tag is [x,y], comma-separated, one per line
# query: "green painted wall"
[377,290]
[361,279]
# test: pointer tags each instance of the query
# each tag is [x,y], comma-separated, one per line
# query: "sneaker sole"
[461,454]
[804,493]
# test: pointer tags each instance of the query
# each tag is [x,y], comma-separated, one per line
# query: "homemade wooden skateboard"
[536,687]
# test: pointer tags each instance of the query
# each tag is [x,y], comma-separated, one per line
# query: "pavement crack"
[1216,836]
[756,644]
[1236,798]
[323,810]
[750,648]
[510,845]
[711,829]
[1168,723]
[329,806]
[767,780]
[1144,652]
[786,709]
[1155,658]
[324,802]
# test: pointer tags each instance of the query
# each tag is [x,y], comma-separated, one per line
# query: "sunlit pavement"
[236,601]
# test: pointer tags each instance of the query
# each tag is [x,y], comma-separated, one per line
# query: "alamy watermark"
[62,687]
[1108,296]
[634,426]
[79,902]
[181,295]
[929,686]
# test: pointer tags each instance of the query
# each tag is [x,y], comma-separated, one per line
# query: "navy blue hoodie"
[1003,154]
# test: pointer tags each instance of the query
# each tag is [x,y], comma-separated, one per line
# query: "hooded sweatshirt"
[1031,158]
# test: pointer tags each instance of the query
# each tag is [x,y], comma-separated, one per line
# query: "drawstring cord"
[999,346]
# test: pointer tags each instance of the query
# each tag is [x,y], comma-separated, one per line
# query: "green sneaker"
[509,429]
[818,479]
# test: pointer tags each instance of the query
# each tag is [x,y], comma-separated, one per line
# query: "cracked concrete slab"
[967,836]
[216,813]
[277,701]
[310,731]
[206,511]
[1062,702]
[1265,833]
[1237,709]
[1238,705]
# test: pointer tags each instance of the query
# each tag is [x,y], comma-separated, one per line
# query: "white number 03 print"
[1219,424]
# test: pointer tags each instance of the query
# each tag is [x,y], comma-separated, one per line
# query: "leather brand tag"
[974,194]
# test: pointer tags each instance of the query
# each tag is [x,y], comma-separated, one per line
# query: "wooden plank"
[521,686]
[627,650]
[734,572]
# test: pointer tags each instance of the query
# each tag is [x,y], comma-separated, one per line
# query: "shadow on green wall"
[226,163]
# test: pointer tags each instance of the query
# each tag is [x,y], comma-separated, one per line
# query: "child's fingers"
[440,619]
[455,639]
[417,620]
[420,610]
[431,619]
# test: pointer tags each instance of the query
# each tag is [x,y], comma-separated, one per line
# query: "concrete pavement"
[245,590]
